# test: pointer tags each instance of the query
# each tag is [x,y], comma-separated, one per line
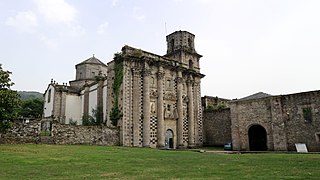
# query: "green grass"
[102,162]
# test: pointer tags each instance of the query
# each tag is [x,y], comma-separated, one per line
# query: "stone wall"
[282,117]
[216,127]
[21,133]
[60,134]
[98,135]
[298,129]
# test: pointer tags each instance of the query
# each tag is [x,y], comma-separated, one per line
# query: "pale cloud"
[137,14]
[51,43]
[102,28]
[56,11]
[23,22]
[115,2]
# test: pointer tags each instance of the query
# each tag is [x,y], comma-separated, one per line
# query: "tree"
[31,108]
[9,100]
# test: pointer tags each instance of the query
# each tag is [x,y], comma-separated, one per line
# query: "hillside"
[30,95]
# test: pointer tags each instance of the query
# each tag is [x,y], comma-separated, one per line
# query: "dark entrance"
[257,138]
[169,139]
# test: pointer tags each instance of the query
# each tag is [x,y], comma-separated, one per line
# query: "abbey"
[154,100]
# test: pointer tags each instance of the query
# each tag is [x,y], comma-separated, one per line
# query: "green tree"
[31,108]
[9,100]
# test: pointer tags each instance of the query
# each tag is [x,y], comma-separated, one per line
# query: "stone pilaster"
[190,112]
[196,112]
[180,110]
[86,100]
[160,118]
[146,107]
[135,106]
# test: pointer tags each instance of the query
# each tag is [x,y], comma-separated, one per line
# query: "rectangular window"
[49,95]
[307,114]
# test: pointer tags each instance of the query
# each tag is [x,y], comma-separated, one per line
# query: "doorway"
[169,139]
[257,138]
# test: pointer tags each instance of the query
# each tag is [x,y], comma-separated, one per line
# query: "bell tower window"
[190,64]
[172,45]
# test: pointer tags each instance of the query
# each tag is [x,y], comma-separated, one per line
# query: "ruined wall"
[216,127]
[21,133]
[60,134]
[298,129]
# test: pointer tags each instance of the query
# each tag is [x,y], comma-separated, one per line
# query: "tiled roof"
[92,60]
[256,96]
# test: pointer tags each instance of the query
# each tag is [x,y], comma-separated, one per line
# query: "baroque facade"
[154,100]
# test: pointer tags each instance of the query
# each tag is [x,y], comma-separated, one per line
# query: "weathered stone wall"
[216,127]
[98,135]
[283,119]
[21,133]
[298,129]
[244,114]
[60,134]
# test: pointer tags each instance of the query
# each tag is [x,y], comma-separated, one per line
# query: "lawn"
[101,162]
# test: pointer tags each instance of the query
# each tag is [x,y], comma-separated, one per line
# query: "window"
[80,75]
[172,45]
[49,95]
[190,64]
[190,43]
[307,114]
[93,74]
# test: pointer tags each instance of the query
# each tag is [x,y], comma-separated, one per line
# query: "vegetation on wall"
[115,113]
[219,106]
[94,120]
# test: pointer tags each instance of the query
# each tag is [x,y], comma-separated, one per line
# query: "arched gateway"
[257,138]
[169,139]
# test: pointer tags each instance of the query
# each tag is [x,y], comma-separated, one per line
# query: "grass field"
[101,162]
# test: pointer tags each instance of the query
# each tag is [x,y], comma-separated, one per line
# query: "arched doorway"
[169,139]
[257,138]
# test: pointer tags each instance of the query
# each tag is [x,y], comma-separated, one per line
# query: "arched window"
[172,45]
[189,43]
[190,64]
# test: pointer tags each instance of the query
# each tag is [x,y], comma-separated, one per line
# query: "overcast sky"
[248,46]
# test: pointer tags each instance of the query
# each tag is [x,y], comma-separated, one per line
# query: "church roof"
[92,60]
[256,96]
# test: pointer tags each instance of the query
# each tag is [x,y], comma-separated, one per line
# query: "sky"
[248,46]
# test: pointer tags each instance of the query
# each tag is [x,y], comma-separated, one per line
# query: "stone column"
[190,112]
[160,118]
[146,107]
[135,106]
[180,110]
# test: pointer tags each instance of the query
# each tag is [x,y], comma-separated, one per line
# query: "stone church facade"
[154,100]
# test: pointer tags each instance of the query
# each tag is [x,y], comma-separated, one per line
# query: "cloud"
[23,22]
[51,43]
[137,14]
[115,2]
[102,28]
[56,11]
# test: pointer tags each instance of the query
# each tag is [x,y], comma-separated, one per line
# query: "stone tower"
[87,71]
[180,47]
[160,96]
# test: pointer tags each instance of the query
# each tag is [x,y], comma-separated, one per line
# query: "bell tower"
[180,47]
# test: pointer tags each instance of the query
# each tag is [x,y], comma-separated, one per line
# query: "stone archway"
[169,139]
[257,138]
